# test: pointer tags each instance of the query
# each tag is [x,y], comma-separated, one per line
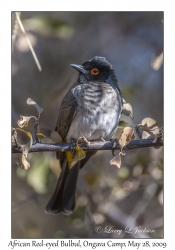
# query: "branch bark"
[107,145]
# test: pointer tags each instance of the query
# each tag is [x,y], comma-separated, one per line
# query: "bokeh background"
[130,196]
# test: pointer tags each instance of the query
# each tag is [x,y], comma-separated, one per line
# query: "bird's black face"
[96,69]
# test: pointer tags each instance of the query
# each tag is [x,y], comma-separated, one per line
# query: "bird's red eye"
[94,71]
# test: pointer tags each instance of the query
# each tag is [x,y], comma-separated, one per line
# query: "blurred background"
[127,197]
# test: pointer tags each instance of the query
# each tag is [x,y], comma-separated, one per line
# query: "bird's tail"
[63,197]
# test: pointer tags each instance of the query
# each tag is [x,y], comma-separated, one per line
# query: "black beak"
[79,68]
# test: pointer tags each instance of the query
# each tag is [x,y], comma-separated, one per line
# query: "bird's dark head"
[96,69]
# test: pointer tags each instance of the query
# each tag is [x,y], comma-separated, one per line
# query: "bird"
[91,109]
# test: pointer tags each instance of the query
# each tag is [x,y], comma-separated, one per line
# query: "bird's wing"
[66,113]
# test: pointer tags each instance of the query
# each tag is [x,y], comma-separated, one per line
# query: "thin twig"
[107,145]
[15,31]
[35,131]
[31,48]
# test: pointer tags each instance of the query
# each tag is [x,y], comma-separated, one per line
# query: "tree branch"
[107,145]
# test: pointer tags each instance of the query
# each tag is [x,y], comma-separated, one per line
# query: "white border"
[5,97]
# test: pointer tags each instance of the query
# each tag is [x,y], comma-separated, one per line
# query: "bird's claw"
[85,141]
[73,147]
[102,139]
[114,143]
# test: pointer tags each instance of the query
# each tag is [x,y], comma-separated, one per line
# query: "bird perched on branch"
[91,109]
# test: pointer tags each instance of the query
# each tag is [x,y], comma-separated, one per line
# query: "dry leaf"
[13,139]
[28,145]
[25,149]
[25,163]
[149,125]
[30,101]
[127,109]
[116,161]
[155,132]
[23,122]
[157,62]
[14,135]
[126,136]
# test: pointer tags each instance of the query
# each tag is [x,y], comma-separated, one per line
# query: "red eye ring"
[94,71]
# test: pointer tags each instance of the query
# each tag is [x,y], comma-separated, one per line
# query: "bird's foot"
[84,140]
[102,139]
[114,143]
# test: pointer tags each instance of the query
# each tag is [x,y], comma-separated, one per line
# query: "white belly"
[96,115]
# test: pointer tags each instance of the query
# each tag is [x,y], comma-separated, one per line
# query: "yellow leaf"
[40,135]
[79,155]
[26,132]
[69,158]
